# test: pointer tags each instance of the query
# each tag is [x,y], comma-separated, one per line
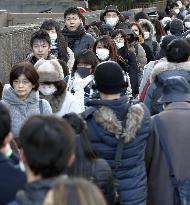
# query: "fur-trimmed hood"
[147,23]
[168,66]
[108,119]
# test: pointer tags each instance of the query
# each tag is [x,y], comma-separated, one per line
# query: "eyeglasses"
[24,82]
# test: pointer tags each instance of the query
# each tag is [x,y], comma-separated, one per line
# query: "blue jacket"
[160,73]
[105,126]
[11,179]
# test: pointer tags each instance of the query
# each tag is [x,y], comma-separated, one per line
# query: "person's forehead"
[72,16]
[40,42]
[111,13]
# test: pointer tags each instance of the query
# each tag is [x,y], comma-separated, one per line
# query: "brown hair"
[27,69]
[77,191]
[109,43]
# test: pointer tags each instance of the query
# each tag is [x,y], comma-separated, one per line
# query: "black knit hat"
[109,78]
[176,26]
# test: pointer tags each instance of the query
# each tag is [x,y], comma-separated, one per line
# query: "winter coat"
[154,46]
[149,52]
[160,73]
[33,193]
[130,66]
[71,60]
[175,119]
[147,72]
[81,88]
[105,126]
[62,104]
[80,41]
[11,179]
[21,110]
[140,55]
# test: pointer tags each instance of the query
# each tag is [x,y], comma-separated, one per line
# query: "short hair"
[178,51]
[5,123]
[41,35]
[48,143]
[49,24]
[27,69]
[85,56]
[76,191]
[73,10]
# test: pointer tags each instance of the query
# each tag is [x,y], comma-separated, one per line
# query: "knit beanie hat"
[176,26]
[166,40]
[49,70]
[109,78]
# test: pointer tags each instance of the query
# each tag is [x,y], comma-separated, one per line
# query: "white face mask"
[47,90]
[119,45]
[187,24]
[146,35]
[102,53]
[111,21]
[176,11]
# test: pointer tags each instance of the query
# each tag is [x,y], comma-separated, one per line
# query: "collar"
[178,105]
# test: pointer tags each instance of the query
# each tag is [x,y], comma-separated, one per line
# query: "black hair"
[61,43]
[48,143]
[5,123]
[40,35]
[84,151]
[178,51]
[73,10]
[85,56]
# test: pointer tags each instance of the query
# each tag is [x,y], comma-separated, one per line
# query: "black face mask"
[83,71]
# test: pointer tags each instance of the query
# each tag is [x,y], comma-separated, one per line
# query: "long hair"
[84,152]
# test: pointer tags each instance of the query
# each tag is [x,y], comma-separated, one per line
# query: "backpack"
[181,187]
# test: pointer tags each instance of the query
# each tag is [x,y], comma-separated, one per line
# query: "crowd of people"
[99,114]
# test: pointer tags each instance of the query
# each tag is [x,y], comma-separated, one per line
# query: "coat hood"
[148,24]
[168,66]
[10,96]
[127,130]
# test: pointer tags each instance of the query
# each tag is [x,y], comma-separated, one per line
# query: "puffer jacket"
[104,127]
[140,55]
[21,110]
[160,73]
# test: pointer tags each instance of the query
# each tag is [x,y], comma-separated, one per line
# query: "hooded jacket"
[21,110]
[159,74]
[105,124]
[152,44]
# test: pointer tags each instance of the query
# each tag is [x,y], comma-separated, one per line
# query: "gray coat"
[21,110]
[175,118]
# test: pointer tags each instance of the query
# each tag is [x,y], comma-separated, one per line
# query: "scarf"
[72,36]
[56,102]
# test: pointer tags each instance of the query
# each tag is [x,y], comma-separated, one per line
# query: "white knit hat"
[49,70]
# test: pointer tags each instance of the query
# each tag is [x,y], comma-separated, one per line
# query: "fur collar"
[165,66]
[108,119]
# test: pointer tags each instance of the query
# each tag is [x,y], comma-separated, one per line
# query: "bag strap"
[41,106]
[159,129]
[118,153]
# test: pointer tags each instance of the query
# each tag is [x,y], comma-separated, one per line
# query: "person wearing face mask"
[59,46]
[186,24]
[149,32]
[82,77]
[53,88]
[111,16]
[105,49]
